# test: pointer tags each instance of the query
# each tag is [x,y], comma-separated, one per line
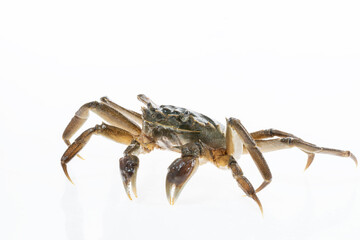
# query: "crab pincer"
[179,172]
[128,169]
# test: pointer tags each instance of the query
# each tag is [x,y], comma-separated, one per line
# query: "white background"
[290,65]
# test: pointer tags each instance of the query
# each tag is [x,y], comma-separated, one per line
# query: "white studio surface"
[293,66]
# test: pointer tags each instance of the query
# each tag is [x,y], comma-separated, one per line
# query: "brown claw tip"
[352,156]
[66,172]
[256,199]
[128,194]
[309,161]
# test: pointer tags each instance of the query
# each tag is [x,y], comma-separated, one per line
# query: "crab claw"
[128,169]
[179,172]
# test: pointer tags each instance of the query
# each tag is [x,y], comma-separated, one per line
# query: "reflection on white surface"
[297,205]
[74,214]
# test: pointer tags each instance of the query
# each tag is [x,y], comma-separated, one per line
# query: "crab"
[195,136]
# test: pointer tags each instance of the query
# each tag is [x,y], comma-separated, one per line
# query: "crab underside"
[193,135]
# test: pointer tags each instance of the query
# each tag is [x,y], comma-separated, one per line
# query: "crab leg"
[106,112]
[308,148]
[114,133]
[134,116]
[289,140]
[243,182]
[253,150]
[269,133]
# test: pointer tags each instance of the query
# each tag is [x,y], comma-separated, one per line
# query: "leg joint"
[270,132]
[268,178]
[235,168]
[132,149]
[99,128]
[191,150]
[83,112]
[287,140]
[346,153]
[232,161]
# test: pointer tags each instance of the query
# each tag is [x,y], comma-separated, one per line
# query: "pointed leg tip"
[262,211]
[256,199]
[352,156]
[309,160]
[66,172]
[307,166]
[128,194]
